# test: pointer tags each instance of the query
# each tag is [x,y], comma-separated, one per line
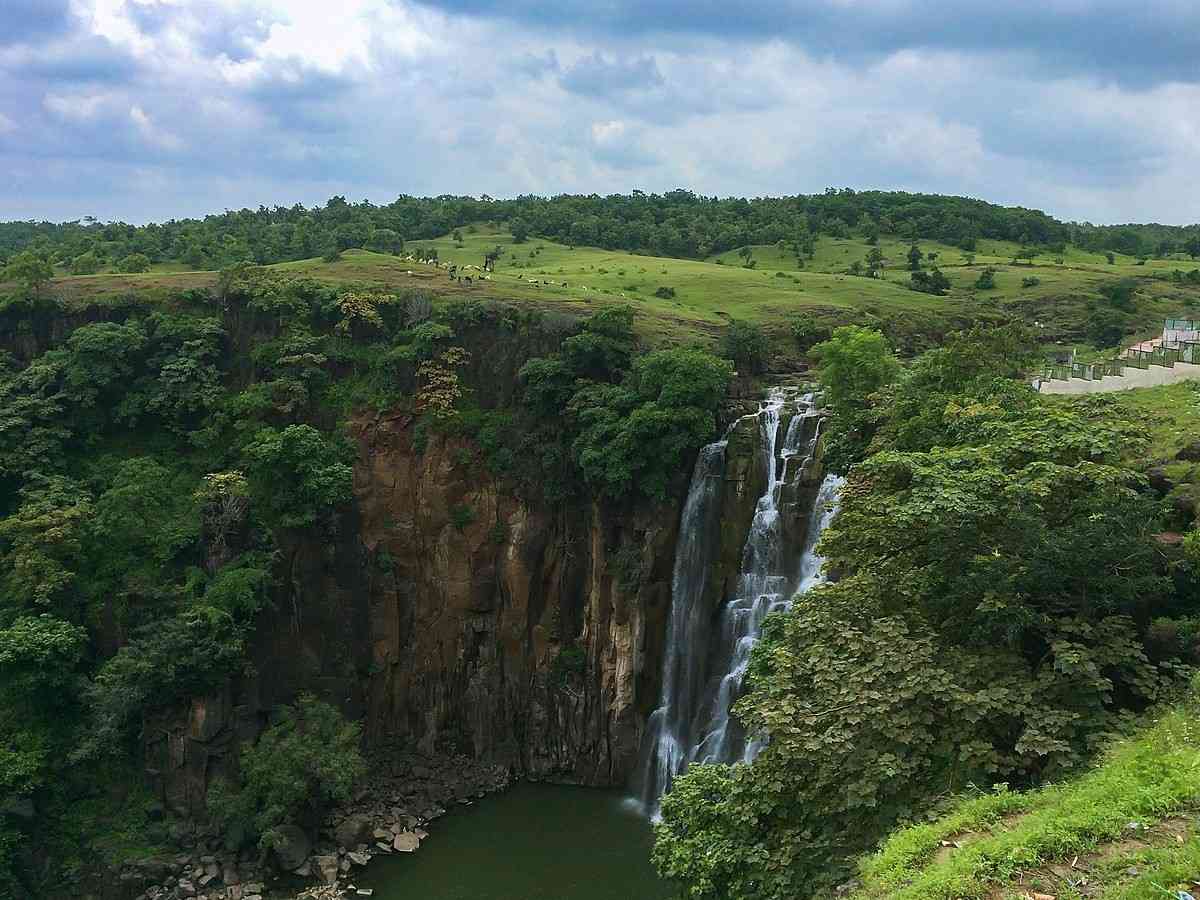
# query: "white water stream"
[706,655]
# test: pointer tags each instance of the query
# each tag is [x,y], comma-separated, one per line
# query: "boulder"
[1190,453]
[327,868]
[354,830]
[406,842]
[292,847]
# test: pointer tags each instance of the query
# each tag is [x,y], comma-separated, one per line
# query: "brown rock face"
[446,613]
[502,629]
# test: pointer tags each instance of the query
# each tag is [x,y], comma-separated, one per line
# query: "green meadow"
[688,300]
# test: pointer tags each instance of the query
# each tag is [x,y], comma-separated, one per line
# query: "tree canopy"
[997,575]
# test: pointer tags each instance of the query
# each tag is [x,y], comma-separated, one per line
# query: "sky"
[144,110]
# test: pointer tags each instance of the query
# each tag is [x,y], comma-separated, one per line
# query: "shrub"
[569,663]
[931,282]
[809,333]
[85,264]
[986,280]
[746,345]
[462,515]
[1120,294]
[666,293]
[298,766]
[135,262]
[1030,281]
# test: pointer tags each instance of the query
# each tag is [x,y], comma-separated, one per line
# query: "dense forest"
[679,223]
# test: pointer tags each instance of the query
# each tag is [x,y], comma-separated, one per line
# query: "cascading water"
[704,667]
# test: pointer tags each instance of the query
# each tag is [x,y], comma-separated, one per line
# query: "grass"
[1139,803]
[1165,417]
[709,293]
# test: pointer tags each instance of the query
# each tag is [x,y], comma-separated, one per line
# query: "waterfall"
[705,664]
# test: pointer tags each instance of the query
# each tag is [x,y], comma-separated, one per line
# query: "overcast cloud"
[151,109]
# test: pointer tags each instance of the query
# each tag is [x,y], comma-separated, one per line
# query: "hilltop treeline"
[679,223]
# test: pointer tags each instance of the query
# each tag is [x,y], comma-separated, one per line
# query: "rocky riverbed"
[392,812]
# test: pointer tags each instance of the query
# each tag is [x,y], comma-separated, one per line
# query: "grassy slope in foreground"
[1128,828]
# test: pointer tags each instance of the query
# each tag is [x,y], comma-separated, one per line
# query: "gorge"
[295,568]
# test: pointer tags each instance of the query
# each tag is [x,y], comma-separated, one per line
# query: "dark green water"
[533,842]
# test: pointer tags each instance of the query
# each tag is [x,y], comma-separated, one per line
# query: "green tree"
[298,766]
[855,363]
[745,344]
[134,263]
[295,475]
[986,280]
[931,282]
[519,229]
[385,240]
[30,270]
[641,433]
[39,659]
[874,262]
[41,546]
[85,264]
[1120,294]
[914,257]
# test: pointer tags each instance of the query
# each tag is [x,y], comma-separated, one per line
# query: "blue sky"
[148,109]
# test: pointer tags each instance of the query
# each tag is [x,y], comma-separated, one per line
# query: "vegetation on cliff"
[998,614]
[159,457]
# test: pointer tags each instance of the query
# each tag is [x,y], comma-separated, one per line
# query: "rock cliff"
[447,613]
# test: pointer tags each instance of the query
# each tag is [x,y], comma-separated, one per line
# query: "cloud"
[145,109]
[598,75]
[1155,41]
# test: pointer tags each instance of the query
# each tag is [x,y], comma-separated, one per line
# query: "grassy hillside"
[1126,829]
[1130,826]
[701,297]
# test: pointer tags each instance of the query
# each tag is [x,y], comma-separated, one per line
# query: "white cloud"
[151,132]
[76,107]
